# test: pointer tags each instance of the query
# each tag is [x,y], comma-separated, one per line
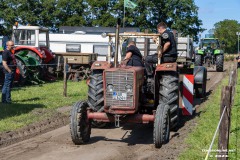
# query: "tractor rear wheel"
[219,63]
[80,125]
[161,130]
[198,60]
[168,94]
[95,95]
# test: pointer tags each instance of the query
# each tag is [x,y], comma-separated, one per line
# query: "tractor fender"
[201,52]
[218,52]
[166,67]
[33,49]
[48,53]
[200,74]
[101,65]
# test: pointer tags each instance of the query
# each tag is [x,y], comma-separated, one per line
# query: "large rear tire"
[198,60]
[168,94]
[161,130]
[80,125]
[219,63]
[95,95]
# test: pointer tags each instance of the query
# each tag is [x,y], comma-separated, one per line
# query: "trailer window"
[24,37]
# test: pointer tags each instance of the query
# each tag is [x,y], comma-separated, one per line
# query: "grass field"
[33,103]
[200,139]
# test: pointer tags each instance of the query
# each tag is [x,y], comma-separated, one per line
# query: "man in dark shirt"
[9,68]
[133,55]
[168,52]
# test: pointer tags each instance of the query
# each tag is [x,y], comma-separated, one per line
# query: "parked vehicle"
[210,54]
[27,40]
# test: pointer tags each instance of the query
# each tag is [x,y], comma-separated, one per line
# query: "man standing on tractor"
[168,49]
[9,68]
[133,55]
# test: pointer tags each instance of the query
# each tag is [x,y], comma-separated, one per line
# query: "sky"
[213,11]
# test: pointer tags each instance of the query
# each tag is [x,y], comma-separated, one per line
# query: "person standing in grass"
[9,68]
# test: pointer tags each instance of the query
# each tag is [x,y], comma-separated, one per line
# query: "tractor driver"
[133,55]
[168,52]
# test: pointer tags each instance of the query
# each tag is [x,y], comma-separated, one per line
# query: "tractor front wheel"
[80,125]
[161,130]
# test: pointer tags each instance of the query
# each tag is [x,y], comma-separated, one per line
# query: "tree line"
[181,15]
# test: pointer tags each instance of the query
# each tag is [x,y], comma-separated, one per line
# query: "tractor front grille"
[119,79]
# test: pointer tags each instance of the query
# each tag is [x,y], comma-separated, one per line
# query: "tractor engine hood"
[122,88]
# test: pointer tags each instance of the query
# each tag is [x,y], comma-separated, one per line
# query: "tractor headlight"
[128,88]
[110,88]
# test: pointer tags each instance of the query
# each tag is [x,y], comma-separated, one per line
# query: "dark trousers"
[6,90]
[135,62]
[153,59]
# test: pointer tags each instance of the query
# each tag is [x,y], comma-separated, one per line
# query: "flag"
[129,4]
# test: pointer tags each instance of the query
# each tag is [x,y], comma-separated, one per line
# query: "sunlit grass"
[33,103]
[200,139]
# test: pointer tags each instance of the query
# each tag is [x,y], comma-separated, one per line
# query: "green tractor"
[210,54]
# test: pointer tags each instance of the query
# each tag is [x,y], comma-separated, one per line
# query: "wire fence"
[223,127]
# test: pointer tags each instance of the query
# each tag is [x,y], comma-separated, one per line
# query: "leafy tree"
[178,14]
[226,31]
[181,15]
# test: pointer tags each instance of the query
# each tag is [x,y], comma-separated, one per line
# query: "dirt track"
[129,142]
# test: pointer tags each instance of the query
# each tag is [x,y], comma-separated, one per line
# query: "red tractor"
[34,41]
[118,93]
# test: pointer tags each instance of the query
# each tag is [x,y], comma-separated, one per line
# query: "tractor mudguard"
[218,51]
[200,73]
[101,65]
[33,49]
[200,52]
[166,67]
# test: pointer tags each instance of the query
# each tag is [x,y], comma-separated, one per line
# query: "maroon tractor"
[123,94]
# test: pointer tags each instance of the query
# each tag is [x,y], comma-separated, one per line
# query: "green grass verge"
[34,103]
[200,138]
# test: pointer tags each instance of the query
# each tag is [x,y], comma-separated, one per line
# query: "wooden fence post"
[224,129]
[65,78]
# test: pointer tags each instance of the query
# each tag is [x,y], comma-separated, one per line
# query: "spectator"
[9,68]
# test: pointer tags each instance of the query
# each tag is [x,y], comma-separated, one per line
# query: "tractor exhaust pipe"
[117,43]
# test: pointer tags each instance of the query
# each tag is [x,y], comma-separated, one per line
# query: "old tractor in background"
[32,42]
[210,54]
[122,94]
